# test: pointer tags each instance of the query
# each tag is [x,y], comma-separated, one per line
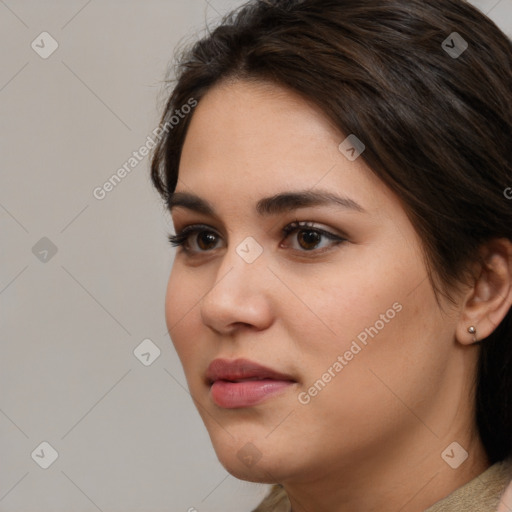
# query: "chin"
[262,472]
[253,461]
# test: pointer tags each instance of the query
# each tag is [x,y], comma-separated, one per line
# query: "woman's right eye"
[194,239]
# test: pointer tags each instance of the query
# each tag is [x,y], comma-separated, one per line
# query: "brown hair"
[437,128]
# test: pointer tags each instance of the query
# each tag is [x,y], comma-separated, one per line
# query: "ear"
[489,299]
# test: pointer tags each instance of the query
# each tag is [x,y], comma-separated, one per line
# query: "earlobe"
[489,299]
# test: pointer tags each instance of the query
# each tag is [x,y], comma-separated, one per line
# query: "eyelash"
[180,239]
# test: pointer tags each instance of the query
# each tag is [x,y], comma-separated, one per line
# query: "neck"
[393,482]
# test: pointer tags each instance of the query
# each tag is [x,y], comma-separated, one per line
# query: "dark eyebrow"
[273,205]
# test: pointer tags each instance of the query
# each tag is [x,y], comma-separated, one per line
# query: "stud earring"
[472,330]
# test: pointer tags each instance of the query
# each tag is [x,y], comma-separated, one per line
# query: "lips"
[243,383]
[241,370]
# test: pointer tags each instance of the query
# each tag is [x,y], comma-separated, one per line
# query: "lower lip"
[233,395]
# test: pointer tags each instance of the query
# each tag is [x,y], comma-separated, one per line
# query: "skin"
[372,438]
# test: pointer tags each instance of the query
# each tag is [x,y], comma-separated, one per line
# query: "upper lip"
[240,369]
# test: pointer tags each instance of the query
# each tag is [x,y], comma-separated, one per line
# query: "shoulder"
[505,504]
[487,492]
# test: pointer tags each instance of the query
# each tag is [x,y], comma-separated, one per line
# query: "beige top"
[482,494]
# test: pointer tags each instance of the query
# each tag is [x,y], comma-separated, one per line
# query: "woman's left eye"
[308,238]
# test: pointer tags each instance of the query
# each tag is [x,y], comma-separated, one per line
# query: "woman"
[337,173]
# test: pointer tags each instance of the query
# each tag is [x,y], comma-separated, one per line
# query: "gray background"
[127,435]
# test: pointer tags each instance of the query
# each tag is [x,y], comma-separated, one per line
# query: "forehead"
[252,123]
[250,140]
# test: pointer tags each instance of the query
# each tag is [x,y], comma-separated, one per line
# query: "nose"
[240,296]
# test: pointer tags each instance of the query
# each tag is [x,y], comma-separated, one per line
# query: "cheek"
[392,343]
[345,300]
[174,307]
[381,315]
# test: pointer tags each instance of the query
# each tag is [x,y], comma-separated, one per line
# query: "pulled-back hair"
[437,127]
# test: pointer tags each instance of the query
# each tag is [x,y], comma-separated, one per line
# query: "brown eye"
[195,239]
[308,239]
[206,240]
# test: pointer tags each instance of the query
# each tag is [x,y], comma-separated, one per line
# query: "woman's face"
[363,362]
